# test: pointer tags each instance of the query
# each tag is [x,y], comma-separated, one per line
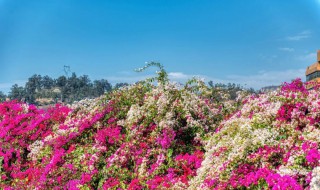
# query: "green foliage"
[162,77]
[17,92]
[231,88]
[46,90]
[2,96]
[120,85]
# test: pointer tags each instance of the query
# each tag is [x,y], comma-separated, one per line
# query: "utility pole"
[67,70]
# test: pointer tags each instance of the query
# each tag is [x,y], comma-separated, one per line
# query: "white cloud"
[286,49]
[267,78]
[302,35]
[178,75]
[128,79]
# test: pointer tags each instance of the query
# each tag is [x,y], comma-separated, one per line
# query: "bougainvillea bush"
[270,143]
[145,136]
[164,136]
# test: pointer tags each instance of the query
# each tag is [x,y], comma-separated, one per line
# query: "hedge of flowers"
[164,137]
[138,137]
[270,143]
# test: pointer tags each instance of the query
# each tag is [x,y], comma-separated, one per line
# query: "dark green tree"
[2,96]
[47,82]
[61,81]
[119,85]
[85,87]
[32,86]
[230,88]
[101,86]
[72,88]
[17,92]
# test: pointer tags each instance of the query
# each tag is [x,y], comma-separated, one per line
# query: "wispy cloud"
[178,75]
[287,49]
[266,78]
[130,77]
[268,58]
[256,80]
[300,36]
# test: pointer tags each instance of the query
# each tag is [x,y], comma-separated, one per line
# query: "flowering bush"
[164,137]
[271,142]
[138,137]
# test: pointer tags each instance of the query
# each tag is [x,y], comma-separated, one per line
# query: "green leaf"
[170,151]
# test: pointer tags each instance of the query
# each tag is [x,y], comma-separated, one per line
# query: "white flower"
[35,149]
[315,181]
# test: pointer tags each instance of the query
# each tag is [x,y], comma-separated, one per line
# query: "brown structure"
[313,71]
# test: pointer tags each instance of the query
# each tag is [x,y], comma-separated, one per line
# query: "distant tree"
[17,92]
[47,82]
[101,86]
[61,81]
[34,83]
[231,89]
[2,96]
[252,91]
[85,87]
[73,81]
[65,89]
[84,81]
[119,85]
[210,83]
[32,86]
[72,87]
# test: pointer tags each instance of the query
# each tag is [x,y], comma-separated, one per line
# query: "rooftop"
[314,67]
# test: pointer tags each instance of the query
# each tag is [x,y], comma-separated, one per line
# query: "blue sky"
[251,42]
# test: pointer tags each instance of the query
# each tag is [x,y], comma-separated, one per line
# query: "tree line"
[41,90]
[231,89]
